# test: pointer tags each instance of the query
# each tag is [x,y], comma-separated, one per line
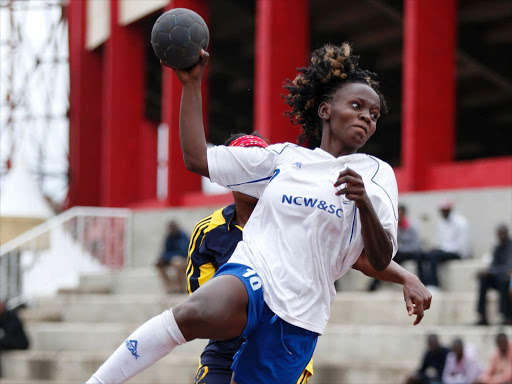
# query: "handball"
[178,37]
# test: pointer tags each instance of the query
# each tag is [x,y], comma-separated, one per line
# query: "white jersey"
[301,237]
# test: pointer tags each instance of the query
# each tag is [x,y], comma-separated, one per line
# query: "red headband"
[249,141]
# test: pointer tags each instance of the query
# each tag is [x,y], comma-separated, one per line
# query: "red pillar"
[428,128]
[180,181]
[282,45]
[123,102]
[85,112]
[148,160]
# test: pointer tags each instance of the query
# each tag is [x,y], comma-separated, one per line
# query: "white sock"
[144,347]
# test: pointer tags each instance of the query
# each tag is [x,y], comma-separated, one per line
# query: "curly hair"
[331,68]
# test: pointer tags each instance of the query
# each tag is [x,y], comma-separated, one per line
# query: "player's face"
[353,113]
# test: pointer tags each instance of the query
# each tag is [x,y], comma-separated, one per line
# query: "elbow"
[189,164]
[381,262]
[199,166]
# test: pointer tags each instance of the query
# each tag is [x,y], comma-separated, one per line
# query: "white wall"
[98,23]
[150,228]
[484,208]
[98,17]
[132,10]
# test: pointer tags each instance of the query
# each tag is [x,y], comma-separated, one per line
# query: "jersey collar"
[345,158]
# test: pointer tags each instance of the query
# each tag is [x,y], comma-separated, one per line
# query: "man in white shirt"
[453,238]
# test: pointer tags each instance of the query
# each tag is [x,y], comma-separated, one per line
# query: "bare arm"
[377,244]
[417,297]
[192,138]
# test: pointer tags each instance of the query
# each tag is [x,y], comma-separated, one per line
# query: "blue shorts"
[275,351]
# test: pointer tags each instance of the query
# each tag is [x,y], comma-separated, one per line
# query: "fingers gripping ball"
[178,37]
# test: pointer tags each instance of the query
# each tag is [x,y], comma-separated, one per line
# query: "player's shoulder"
[209,224]
[375,166]
[382,164]
[217,219]
[282,148]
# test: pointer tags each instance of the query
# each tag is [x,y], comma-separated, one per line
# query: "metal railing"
[54,254]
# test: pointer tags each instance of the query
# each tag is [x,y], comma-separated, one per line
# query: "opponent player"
[213,241]
[320,212]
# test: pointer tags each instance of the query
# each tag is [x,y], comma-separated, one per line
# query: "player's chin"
[359,140]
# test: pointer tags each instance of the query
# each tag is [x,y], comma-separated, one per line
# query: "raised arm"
[417,297]
[192,138]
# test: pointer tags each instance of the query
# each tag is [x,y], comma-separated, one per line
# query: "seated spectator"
[409,246]
[432,367]
[453,241]
[500,365]
[174,255]
[462,366]
[12,335]
[497,276]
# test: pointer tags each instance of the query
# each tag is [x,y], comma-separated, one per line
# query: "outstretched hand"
[194,73]
[417,298]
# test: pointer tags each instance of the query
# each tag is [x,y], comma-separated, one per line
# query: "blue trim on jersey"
[353,225]
[380,186]
[249,182]
[276,172]
[346,202]
[286,146]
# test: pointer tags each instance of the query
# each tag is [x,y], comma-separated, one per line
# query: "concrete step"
[128,281]
[136,308]
[454,276]
[386,307]
[406,344]
[88,337]
[68,367]
[37,367]
[346,342]
[31,381]
[356,372]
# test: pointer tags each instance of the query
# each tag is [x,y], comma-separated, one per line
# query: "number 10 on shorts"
[254,280]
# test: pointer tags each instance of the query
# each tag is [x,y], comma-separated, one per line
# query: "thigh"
[492,281]
[447,256]
[217,310]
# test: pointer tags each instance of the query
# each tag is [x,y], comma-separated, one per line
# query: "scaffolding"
[34,91]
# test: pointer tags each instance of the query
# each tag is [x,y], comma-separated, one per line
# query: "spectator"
[12,335]
[409,247]
[432,367]
[453,238]
[497,276]
[510,290]
[500,365]
[174,255]
[462,366]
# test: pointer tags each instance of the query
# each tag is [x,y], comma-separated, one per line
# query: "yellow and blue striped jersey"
[212,243]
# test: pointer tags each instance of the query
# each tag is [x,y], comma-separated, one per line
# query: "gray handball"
[178,37]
